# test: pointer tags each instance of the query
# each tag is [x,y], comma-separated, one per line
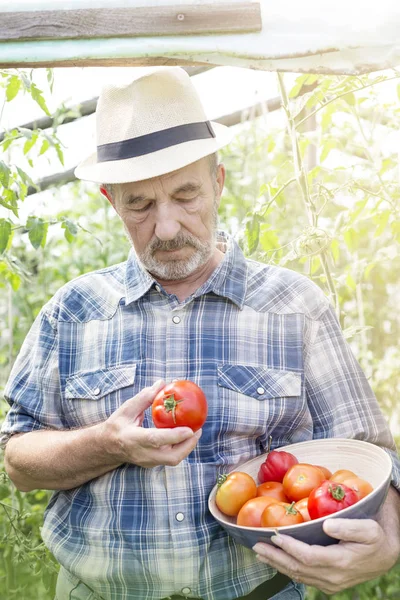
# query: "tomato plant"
[234,490]
[275,465]
[330,497]
[180,404]
[300,480]
[281,514]
[361,487]
[250,513]
[274,489]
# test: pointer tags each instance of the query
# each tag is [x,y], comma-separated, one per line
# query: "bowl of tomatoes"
[293,490]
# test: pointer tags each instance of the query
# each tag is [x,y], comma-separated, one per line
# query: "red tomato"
[180,404]
[274,489]
[361,487]
[281,514]
[330,497]
[275,465]
[234,490]
[250,513]
[302,507]
[341,475]
[300,480]
[326,472]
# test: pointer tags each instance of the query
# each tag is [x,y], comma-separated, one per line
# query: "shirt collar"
[228,280]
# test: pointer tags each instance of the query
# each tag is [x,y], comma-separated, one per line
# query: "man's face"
[171,220]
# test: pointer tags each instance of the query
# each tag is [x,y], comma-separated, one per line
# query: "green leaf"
[381,222]
[71,230]
[45,146]
[252,233]
[350,99]
[327,146]
[50,78]
[31,142]
[59,153]
[37,95]
[335,249]
[353,330]
[268,238]
[37,228]
[5,233]
[398,91]
[13,87]
[4,174]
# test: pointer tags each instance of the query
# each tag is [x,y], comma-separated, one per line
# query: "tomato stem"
[290,510]
[269,444]
[170,404]
[221,479]
[337,492]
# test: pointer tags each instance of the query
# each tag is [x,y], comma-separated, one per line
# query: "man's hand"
[128,442]
[367,549]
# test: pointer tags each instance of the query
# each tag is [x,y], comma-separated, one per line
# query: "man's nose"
[167,224]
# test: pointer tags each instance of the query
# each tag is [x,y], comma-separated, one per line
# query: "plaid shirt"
[264,345]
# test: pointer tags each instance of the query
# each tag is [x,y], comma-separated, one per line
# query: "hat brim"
[154,164]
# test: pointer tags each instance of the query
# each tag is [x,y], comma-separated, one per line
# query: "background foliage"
[317,192]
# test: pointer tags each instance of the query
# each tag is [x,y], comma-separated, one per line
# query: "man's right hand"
[126,441]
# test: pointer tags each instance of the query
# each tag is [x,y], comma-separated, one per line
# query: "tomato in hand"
[250,513]
[275,465]
[330,497]
[234,490]
[302,507]
[300,480]
[274,489]
[361,487]
[180,404]
[341,475]
[280,515]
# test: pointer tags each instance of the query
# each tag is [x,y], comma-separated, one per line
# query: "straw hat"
[152,126]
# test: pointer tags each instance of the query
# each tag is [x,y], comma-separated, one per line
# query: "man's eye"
[187,199]
[142,208]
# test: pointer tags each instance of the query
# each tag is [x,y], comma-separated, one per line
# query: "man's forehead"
[190,174]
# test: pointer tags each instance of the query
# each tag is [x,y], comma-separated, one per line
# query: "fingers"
[363,531]
[172,455]
[162,446]
[139,403]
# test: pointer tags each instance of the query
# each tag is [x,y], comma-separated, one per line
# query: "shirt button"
[186,590]
[260,390]
[179,517]
[176,320]
[96,391]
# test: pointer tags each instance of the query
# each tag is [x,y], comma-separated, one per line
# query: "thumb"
[145,397]
[362,531]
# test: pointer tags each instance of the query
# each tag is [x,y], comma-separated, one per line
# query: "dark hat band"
[152,142]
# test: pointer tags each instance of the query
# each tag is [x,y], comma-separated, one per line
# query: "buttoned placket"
[177,478]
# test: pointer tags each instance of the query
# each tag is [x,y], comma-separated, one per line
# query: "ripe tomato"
[281,514]
[275,465]
[341,475]
[302,507]
[180,404]
[274,489]
[250,513]
[330,497]
[326,472]
[361,487]
[234,490]
[300,480]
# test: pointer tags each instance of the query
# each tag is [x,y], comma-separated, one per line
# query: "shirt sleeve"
[340,398]
[33,388]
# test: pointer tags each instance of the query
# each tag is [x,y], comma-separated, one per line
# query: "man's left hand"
[367,549]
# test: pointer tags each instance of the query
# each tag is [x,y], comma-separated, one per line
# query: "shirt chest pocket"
[255,402]
[92,396]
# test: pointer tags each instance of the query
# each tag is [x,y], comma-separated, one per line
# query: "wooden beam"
[119,22]
[137,61]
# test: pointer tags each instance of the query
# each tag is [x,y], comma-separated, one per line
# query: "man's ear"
[106,194]
[220,180]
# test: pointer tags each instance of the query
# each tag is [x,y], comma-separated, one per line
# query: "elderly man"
[129,518]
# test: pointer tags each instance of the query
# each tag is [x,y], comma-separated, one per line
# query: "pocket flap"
[259,382]
[96,384]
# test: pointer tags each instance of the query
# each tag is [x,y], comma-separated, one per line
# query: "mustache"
[177,243]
